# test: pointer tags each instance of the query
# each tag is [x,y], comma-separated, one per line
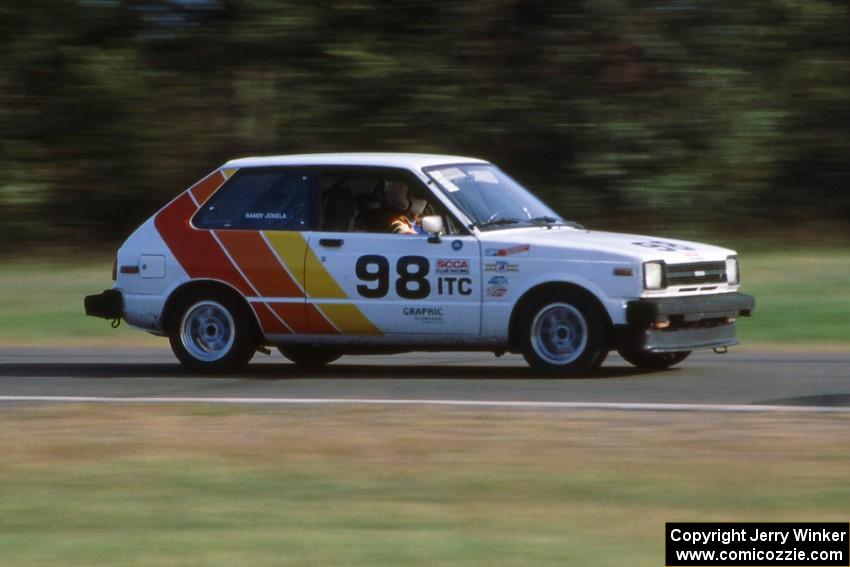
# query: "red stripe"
[268,321]
[294,314]
[318,322]
[259,264]
[196,250]
[304,318]
[207,186]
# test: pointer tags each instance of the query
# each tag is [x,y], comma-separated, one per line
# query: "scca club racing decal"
[451,266]
[411,277]
[663,246]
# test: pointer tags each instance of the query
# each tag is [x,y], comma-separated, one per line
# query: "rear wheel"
[211,332]
[654,360]
[563,334]
[310,356]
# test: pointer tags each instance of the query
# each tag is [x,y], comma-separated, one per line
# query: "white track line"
[725,408]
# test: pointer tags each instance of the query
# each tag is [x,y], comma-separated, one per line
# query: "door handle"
[331,242]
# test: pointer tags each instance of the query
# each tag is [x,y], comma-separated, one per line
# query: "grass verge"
[416,486]
[802,298]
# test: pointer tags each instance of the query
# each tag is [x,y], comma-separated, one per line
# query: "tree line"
[619,113]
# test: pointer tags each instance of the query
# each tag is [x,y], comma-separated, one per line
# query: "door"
[384,283]
[363,280]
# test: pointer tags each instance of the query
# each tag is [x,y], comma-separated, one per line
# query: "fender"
[614,306]
[257,309]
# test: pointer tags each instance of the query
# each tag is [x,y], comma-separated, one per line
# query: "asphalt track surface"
[745,379]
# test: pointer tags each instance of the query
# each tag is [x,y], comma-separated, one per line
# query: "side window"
[262,199]
[356,200]
[343,198]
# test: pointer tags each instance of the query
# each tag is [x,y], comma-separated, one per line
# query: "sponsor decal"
[519,249]
[500,266]
[266,216]
[452,266]
[427,315]
[444,178]
[497,286]
[457,245]
[447,285]
[663,246]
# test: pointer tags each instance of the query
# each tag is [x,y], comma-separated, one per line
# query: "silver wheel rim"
[559,333]
[207,331]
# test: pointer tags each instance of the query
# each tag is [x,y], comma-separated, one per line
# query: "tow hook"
[264,350]
[721,350]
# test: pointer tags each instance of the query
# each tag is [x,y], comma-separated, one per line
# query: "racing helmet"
[396,194]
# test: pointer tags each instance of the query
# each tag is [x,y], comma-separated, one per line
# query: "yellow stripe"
[229,171]
[348,318]
[322,284]
[289,247]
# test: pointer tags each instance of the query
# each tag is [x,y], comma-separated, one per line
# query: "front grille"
[696,273]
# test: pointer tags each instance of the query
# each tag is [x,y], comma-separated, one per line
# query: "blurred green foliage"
[622,114]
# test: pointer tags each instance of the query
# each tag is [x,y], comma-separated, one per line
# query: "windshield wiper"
[497,222]
[552,221]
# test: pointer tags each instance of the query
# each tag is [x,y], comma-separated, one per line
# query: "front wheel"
[563,334]
[654,360]
[211,332]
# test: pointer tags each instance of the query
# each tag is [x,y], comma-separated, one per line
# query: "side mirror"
[433,226]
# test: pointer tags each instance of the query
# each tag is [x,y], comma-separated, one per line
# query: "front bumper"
[107,305]
[671,324]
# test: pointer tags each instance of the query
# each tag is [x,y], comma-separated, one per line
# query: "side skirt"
[409,342]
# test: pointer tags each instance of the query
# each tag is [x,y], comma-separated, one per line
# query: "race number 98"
[411,283]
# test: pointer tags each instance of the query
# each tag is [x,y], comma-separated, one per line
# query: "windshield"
[490,198]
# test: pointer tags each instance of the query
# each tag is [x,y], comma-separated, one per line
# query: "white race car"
[298,252]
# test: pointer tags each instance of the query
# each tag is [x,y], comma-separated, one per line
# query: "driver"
[405,214]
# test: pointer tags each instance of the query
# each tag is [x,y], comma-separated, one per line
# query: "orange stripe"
[318,323]
[256,260]
[196,250]
[207,186]
[268,322]
[294,314]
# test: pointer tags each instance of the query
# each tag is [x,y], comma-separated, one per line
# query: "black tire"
[309,356]
[654,360]
[211,331]
[563,334]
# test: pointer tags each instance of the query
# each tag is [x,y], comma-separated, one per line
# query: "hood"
[602,245]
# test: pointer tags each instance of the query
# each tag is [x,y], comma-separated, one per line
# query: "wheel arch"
[555,287]
[182,291]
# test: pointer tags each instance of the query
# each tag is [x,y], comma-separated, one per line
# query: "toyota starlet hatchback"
[304,253]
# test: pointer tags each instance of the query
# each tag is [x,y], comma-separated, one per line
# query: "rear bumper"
[673,324]
[107,305]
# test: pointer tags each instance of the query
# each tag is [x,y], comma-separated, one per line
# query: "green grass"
[164,486]
[41,302]
[803,299]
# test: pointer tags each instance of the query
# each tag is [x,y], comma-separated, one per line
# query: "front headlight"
[653,275]
[733,277]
